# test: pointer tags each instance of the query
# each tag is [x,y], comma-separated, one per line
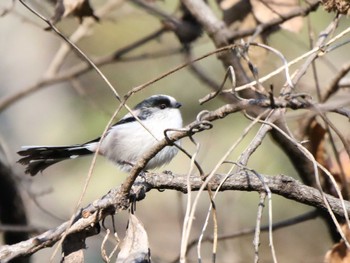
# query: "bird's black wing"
[125,120]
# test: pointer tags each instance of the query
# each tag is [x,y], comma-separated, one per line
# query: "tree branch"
[114,201]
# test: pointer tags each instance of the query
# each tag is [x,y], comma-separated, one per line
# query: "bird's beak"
[178,105]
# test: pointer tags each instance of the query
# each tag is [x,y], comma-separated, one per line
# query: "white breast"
[125,144]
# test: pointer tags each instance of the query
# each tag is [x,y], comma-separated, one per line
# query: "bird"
[124,143]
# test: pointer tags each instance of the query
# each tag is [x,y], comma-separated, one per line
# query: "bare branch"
[282,185]
[114,201]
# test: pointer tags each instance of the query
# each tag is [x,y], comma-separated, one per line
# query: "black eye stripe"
[162,103]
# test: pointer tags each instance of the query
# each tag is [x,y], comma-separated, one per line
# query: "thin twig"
[281,56]
[230,72]
[103,249]
[256,241]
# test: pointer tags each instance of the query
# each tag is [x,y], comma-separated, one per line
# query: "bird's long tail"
[38,158]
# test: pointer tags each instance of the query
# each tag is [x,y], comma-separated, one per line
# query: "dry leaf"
[78,8]
[134,248]
[265,10]
[339,253]
[316,141]
[341,6]
[334,168]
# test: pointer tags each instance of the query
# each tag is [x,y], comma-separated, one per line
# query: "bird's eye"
[162,106]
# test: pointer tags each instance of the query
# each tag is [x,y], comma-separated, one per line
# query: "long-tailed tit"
[125,142]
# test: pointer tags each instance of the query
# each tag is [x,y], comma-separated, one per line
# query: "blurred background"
[77,110]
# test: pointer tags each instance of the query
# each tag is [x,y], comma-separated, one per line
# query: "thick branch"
[245,181]
[282,185]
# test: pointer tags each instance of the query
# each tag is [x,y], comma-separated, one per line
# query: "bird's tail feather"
[38,158]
